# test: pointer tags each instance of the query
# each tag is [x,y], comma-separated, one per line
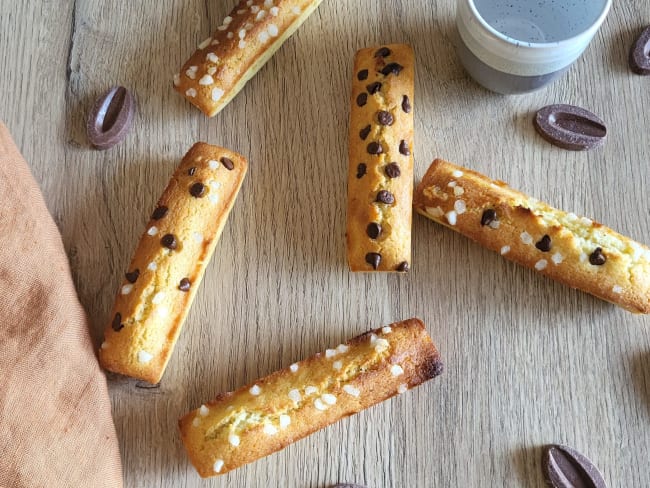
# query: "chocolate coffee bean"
[567,468]
[570,127]
[640,54]
[111,118]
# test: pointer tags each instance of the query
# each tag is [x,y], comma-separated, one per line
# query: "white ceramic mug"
[517,46]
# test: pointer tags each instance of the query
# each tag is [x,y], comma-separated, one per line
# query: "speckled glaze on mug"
[521,46]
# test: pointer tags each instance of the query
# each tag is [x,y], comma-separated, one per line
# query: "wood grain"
[529,362]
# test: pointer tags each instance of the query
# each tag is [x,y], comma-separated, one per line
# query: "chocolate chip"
[132,276]
[362,75]
[394,68]
[640,54]
[570,127]
[597,258]
[373,87]
[169,241]
[159,213]
[403,267]
[373,259]
[361,170]
[197,190]
[544,244]
[392,170]
[383,52]
[111,118]
[365,132]
[488,217]
[362,99]
[406,104]
[565,467]
[385,118]
[384,196]
[375,148]
[373,230]
[404,148]
[185,285]
[191,171]
[228,164]
[117,324]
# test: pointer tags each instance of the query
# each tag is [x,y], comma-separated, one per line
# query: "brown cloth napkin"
[56,427]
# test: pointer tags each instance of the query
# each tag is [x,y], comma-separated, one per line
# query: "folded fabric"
[56,427]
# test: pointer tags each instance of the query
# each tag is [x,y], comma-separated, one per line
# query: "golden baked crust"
[381,160]
[573,250]
[163,276]
[246,40]
[267,415]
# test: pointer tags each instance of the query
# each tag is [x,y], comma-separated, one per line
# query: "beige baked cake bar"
[267,415]
[247,38]
[576,251]
[380,173]
[168,264]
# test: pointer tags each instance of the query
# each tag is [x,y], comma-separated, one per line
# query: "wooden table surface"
[528,361]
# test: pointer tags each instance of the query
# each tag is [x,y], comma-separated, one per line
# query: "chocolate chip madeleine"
[380,175]
[169,262]
[573,250]
[267,415]
[247,38]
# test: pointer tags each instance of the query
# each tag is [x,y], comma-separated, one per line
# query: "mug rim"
[540,45]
